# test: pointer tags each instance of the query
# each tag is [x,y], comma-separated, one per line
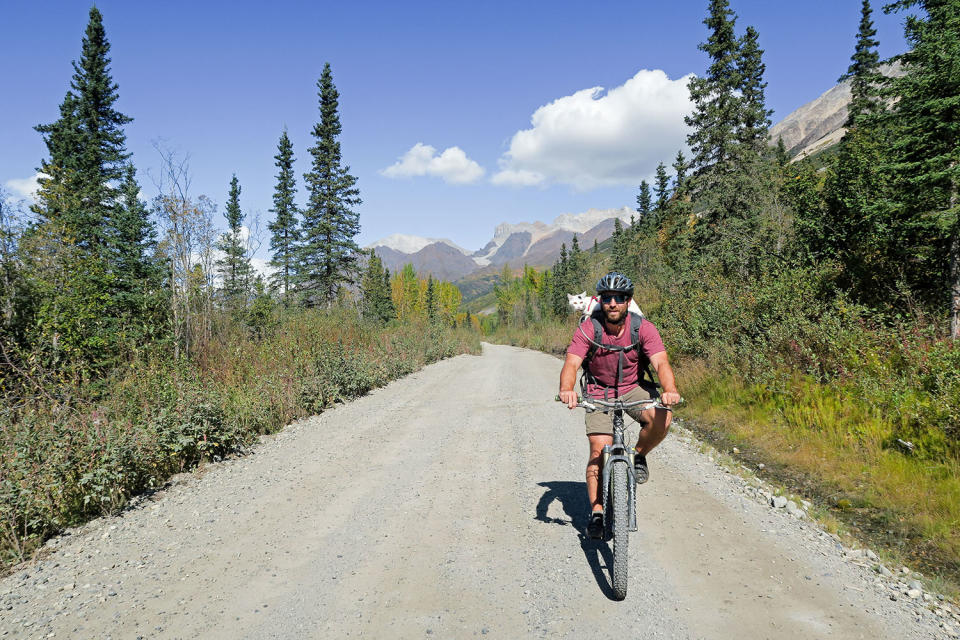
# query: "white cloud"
[452,165]
[24,188]
[595,139]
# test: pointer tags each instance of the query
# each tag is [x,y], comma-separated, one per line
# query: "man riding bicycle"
[610,343]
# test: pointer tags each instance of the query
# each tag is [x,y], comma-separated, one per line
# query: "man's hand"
[570,397]
[669,398]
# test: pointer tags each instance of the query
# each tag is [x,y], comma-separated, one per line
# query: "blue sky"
[220,80]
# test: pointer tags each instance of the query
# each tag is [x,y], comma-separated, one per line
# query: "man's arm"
[661,364]
[568,378]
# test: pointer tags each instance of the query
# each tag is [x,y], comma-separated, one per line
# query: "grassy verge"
[65,462]
[834,443]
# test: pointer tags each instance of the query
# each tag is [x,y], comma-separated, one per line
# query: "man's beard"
[620,316]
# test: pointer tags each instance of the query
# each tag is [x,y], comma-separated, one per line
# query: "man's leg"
[655,424]
[597,442]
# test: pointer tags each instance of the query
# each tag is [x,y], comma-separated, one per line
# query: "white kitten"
[585,305]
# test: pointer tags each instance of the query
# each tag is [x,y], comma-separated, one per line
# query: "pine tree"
[139,274]
[662,188]
[375,287]
[87,147]
[716,106]
[754,116]
[781,154]
[927,149]
[680,171]
[283,229]
[431,300]
[577,264]
[234,267]
[327,253]
[644,202]
[864,70]
[618,253]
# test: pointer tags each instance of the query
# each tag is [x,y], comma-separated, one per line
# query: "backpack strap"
[643,365]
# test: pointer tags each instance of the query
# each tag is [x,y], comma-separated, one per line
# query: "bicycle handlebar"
[617,404]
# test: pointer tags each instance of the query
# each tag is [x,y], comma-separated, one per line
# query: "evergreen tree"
[577,265]
[87,148]
[618,253]
[431,300]
[782,156]
[927,150]
[716,106]
[864,70]
[234,266]
[680,171]
[662,188]
[139,274]
[375,287]
[327,253]
[644,202]
[283,229]
[754,116]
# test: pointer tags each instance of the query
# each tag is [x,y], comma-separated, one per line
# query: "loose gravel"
[450,504]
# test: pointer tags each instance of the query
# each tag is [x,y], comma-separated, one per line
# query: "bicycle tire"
[620,527]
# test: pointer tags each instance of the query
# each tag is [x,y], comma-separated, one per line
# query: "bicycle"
[618,486]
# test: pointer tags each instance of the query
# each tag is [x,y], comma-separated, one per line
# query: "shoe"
[640,469]
[595,525]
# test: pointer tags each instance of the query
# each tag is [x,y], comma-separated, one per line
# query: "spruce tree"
[680,171]
[864,70]
[618,253]
[644,202]
[431,300]
[662,188]
[283,229]
[327,253]
[234,267]
[139,273]
[716,106]
[375,287]
[87,147]
[927,150]
[754,116]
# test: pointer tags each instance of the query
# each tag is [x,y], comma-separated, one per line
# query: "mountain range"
[533,243]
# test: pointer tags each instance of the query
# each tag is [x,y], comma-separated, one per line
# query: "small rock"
[778,502]
[914,593]
[871,555]
[736,450]
[791,506]
[904,570]
[882,570]
[761,466]
[915,584]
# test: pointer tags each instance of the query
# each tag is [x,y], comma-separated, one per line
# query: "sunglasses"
[619,298]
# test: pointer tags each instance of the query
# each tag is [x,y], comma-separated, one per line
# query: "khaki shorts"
[602,423]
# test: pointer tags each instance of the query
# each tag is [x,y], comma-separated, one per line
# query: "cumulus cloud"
[597,139]
[24,188]
[452,165]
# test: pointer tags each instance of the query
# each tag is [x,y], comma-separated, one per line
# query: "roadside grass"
[63,463]
[832,444]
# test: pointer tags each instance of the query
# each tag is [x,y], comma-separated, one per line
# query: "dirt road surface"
[449,504]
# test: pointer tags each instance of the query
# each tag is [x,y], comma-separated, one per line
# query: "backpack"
[643,366]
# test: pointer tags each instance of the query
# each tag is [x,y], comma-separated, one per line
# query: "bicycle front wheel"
[620,528]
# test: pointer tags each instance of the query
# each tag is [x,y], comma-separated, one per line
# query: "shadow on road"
[572,497]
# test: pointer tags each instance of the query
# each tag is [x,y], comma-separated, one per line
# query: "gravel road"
[450,504]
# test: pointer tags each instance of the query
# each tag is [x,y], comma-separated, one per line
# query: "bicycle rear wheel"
[620,528]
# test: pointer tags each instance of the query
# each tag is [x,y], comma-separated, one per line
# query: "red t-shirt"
[603,365]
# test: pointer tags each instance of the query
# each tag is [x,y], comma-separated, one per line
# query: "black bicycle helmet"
[616,282]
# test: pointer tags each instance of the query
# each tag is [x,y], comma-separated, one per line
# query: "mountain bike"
[618,486]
